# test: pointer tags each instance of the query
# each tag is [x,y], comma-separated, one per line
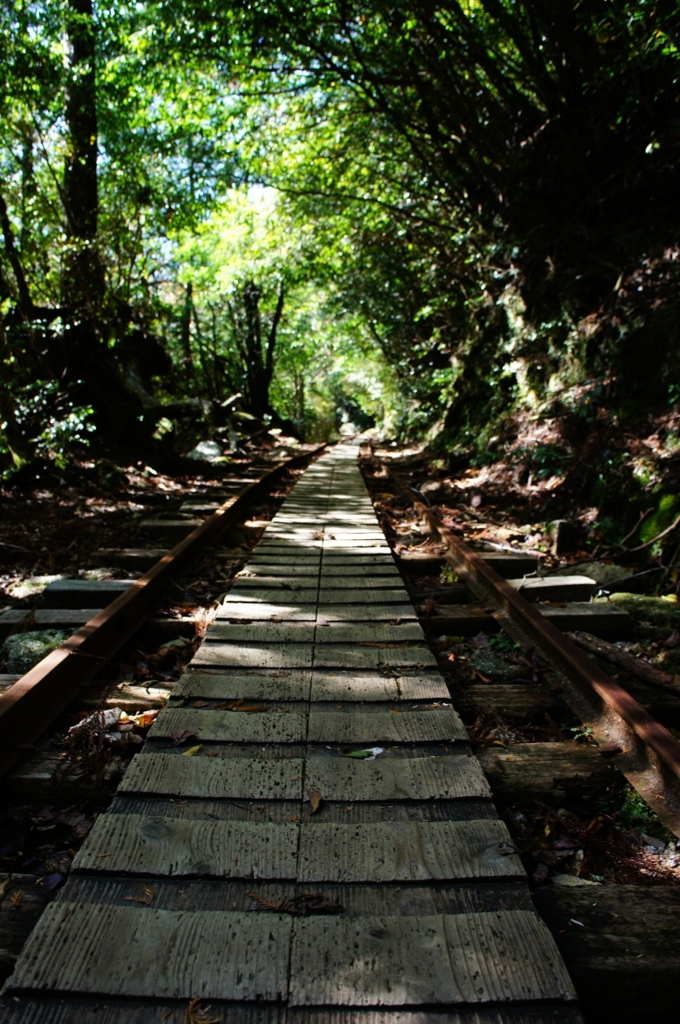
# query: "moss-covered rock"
[24,650]
[663,612]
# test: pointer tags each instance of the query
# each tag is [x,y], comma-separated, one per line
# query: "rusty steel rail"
[645,752]
[35,700]
[649,754]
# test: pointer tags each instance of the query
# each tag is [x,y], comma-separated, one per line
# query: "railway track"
[305,831]
[620,941]
[110,612]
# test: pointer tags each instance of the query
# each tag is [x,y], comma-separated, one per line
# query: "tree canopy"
[419,215]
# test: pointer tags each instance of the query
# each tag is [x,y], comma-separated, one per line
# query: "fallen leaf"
[239,705]
[192,750]
[200,704]
[147,899]
[294,817]
[4,886]
[103,855]
[303,905]
[179,736]
[17,898]
[364,755]
[195,1014]
[315,799]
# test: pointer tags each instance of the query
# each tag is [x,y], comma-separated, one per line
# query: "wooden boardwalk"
[207,876]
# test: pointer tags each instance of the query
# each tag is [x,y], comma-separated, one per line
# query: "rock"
[24,650]
[662,612]
[564,536]
[490,664]
[206,451]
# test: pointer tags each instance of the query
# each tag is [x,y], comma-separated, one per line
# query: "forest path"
[260,858]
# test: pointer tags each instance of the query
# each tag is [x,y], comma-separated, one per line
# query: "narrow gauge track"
[619,936]
[30,705]
[277,866]
[641,747]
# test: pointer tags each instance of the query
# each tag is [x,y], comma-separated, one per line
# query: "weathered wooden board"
[262,632]
[419,778]
[360,576]
[543,770]
[407,851]
[276,684]
[369,557]
[255,580]
[355,548]
[378,686]
[362,631]
[359,595]
[86,948]
[260,655]
[143,845]
[271,590]
[285,567]
[438,725]
[562,1013]
[436,959]
[367,656]
[231,778]
[355,612]
[232,726]
[232,611]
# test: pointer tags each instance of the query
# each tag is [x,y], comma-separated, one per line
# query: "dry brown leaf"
[17,898]
[315,799]
[195,1014]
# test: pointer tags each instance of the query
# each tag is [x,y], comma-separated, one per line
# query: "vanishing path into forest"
[305,830]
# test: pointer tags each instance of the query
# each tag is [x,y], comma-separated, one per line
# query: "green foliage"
[502,642]
[637,815]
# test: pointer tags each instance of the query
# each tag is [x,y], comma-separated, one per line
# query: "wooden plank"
[364,575]
[286,567]
[597,617]
[262,632]
[89,948]
[515,700]
[419,778]
[365,656]
[277,684]
[626,958]
[543,770]
[362,631]
[563,1013]
[143,845]
[253,655]
[232,726]
[352,612]
[439,725]
[358,595]
[378,686]
[230,778]
[246,584]
[232,611]
[83,593]
[555,588]
[435,959]
[407,851]
[365,557]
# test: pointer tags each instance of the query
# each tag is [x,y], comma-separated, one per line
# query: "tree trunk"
[258,392]
[83,278]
